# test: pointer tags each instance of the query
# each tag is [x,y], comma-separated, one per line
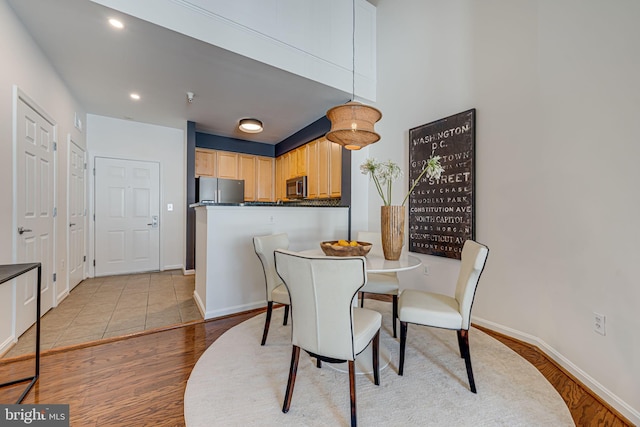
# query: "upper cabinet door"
[323,167]
[335,170]
[227,165]
[264,182]
[312,170]
[205,162]
[247,172]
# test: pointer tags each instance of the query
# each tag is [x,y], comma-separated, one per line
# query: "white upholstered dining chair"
[325,323]
[380,283]
[276,291]
[443,311]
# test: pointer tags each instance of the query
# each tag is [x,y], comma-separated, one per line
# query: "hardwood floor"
[140,379]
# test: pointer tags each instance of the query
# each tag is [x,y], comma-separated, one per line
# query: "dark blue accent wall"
[190,256]
[222,143]
[314,131]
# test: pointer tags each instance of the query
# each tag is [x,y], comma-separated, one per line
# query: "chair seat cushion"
[365,325]
[430,309]
[380,283]
[280,295]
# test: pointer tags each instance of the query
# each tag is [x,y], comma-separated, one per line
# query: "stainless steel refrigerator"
[219,190]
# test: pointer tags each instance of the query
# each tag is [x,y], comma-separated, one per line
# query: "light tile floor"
[105,307]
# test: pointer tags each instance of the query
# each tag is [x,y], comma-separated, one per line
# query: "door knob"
[22,230]
[154,221]
[72,224]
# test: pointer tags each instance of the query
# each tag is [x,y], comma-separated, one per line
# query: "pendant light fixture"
[352,124]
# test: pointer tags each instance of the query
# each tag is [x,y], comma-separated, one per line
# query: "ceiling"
[102,66]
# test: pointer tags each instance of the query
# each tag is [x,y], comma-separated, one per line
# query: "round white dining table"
[378,264]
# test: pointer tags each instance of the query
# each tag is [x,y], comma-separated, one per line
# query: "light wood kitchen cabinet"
[247,172]
[302,160]
[227,165]
[286,168]
[324,151]
[335,170]
[205,162]
[312,170]
[280,180]
[264,179]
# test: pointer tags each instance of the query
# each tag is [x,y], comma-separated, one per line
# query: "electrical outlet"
[426,270]
[598,323]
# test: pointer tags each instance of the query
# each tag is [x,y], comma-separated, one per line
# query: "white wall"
[556,91]
[124,139]
[26,67]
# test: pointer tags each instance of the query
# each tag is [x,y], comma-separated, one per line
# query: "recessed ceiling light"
[135,96]
[116,23]
[250,125]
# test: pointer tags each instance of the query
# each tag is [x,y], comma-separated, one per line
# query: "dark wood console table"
[9,272]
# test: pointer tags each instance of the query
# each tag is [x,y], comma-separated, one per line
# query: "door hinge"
[54,277]
[85,165]
[94,171]
[55,146]
[94,262]
[84,258]
[94,217]
[55,212]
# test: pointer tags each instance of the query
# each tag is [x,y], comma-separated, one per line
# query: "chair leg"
[266,322]
[460,344]
[395,314]
[403,342]
[295,355]
[463,338]
[352,392]
[376,358]
[286,314]
[361,299]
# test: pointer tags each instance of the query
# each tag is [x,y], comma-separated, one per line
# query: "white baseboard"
[188,272]
[7,345]
[173,267]
[212,314]
[199,303]
[605,394]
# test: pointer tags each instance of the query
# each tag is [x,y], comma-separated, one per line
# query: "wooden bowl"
[331,248]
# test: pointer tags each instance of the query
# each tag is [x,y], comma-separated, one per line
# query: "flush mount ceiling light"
[352,123]
[134,96]
[116,23]
[250,125]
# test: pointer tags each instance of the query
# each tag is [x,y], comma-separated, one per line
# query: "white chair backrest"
[321,290]
[473,259]
[373,237]
[264,247]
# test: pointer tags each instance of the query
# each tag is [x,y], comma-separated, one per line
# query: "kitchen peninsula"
[229,276]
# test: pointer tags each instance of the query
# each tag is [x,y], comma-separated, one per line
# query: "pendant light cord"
[353,52]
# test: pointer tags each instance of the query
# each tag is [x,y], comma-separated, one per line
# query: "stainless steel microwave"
[297,188]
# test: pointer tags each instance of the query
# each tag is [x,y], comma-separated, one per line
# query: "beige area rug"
[236,382]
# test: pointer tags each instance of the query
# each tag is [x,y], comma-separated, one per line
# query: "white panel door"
[77,214]
[35,204]
[127,216]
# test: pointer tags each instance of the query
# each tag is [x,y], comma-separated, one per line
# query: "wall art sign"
[442,211]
